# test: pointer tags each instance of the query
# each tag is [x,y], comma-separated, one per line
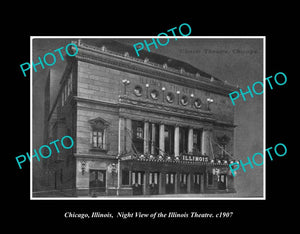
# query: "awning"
[185,159]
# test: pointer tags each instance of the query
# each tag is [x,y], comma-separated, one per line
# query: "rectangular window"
[98,139]
[125,177]
[195,138]
[139,132]
[138,136]
[197,134]
[154,138]
[183,140]
[169,139]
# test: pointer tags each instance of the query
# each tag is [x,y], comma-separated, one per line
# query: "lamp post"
[163,96]
[209,101]
[125,83]
[119,176]
[178,93]
[192,96]
[147,87]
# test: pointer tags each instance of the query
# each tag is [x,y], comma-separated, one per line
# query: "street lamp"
[178,93]
[125,83]
[192,96]
[147,87]
[163,90]
[209,101]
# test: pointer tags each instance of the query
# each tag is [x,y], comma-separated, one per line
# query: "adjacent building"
[141,125]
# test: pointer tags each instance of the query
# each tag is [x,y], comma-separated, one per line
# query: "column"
[128,133]
[121,137]
[176,141]
[176,183]
[190,140]
[201,183]
[130,178]
[146,137]
[205,142]
[153,138]
[146,183]
[188,181]
[161,138]
[162,183]
[119,177]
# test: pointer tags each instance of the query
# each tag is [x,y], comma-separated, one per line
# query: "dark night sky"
[239,61]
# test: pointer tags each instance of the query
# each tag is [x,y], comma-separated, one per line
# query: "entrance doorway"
[97,182]
[183,182]
[153,182]
[170,183]
[222,181]
[197,183]
[137,181]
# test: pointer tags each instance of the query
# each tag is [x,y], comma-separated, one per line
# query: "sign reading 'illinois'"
[194,158]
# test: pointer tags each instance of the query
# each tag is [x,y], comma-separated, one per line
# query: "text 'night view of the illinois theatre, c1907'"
[142,125]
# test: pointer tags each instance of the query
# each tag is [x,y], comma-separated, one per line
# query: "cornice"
[126,63]
[95,156]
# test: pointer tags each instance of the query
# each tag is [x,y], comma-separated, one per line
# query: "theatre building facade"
[142,125]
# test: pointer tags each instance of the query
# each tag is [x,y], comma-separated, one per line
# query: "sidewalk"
[61,194]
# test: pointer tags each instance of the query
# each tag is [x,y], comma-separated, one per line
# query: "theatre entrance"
[183,182]
[170,183]
[197,183]
[153,183]
[137,181]
[222,181]
[97,182]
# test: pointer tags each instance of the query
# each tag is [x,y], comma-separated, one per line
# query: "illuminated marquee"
[194,158]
